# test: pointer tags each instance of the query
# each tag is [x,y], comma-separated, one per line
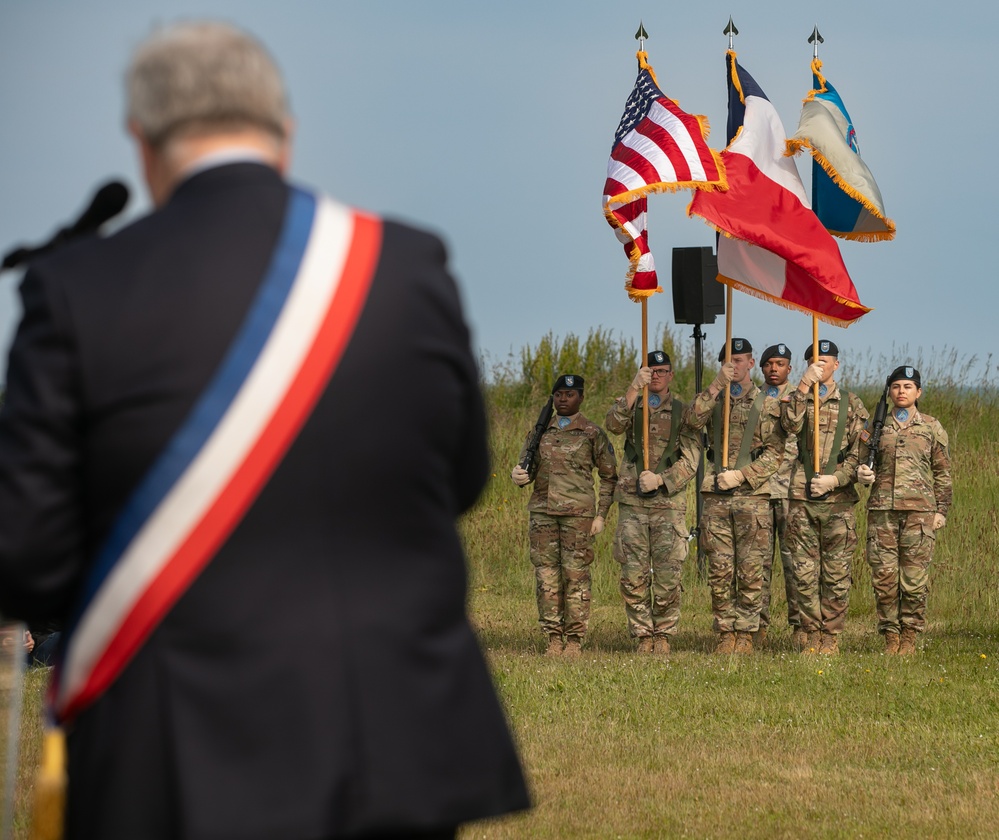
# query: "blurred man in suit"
[193,474]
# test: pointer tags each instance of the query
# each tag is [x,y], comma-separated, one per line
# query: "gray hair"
[203,78]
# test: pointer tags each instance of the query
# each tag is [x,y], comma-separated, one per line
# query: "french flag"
[774,245]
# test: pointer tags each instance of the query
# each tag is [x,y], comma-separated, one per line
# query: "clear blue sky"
[491,123]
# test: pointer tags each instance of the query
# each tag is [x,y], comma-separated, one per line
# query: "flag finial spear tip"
[815,39]
[731,31]
[641,35]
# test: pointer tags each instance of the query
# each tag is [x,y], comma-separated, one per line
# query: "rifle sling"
[634,444]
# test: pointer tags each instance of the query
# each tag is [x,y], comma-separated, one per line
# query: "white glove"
[822,484]
[642,378]
[865,475]
[596,526]
[730,479]
[813,374]
[519,476]
[725,375]
[649,481]
[939,520]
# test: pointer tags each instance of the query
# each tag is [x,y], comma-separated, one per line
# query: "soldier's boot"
[829,645]
[554,645]
[891,643]
[907,642]
[726,643]
[743,644]
[760,637]
[573,647]
[662,645]
[646,644]
[799,640]
[811,646]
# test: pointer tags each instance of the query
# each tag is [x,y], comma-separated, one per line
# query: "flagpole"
[728,388]
[815,393]
[645,388]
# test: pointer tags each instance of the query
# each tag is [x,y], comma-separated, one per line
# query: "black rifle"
[531,453]
[880,413]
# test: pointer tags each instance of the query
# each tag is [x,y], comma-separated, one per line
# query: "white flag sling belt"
[240,428]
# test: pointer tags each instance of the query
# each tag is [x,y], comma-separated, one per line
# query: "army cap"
[782,351]
[826,348]
[658,357]
[570,381]
[905,372]
[739,345]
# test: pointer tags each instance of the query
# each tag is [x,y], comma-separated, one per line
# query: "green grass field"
[773,745]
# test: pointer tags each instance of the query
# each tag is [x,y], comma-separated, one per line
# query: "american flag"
[658,147]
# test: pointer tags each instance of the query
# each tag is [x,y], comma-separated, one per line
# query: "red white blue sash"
[219,460]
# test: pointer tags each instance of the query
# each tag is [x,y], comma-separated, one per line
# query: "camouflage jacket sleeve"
[675,478]
[606,464]
[699,412]
[846,472]
[619,417]
[940,464]
[792,411]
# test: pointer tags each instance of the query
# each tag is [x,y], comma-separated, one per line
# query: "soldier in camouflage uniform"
[821,524]
[564,517]
[735,522]
[651,538]
[775,362]
[910,497]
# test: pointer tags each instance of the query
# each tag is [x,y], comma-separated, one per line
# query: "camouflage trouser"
[651,544]
[821,537]
[736,532]
[778,517]
[899,549]
[562,551]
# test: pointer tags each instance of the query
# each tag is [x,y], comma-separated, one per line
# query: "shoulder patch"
[865,436]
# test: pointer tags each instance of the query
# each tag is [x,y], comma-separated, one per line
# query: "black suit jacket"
[320,678]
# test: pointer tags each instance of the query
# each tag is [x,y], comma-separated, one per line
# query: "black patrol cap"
[781,351]
[659,357]
[826,348]
[739,345]
[569,381]
[905,372]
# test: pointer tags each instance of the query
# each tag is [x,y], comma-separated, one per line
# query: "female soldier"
[910,497]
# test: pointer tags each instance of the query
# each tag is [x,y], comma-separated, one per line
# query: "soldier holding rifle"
[565,517]
[735,523]
[821,524]
[908,469]
[651,538]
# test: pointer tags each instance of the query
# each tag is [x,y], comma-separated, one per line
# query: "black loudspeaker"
[697,296]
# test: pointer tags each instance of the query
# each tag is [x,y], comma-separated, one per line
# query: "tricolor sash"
[216,464]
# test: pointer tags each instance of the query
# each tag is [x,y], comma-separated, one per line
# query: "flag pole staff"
[640,36]
[815,39]
[731,31]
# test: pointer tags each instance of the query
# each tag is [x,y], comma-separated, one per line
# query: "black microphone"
[107,203]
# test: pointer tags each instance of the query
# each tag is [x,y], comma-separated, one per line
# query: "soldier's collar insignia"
[564,421]
[735,389]
[823,390]
[654,400]
[901,414]
[773,391]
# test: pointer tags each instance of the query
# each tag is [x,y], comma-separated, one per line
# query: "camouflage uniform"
[651,538]
[912,483]
[779,483]
[735,527]
[562,508]
[822,535]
